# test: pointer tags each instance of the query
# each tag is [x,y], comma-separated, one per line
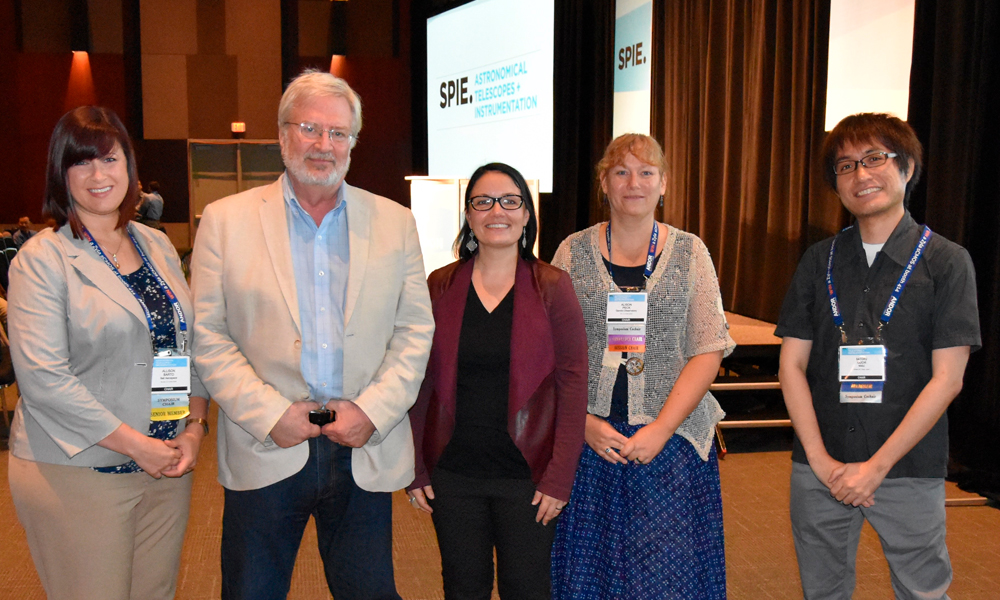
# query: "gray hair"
[312,83]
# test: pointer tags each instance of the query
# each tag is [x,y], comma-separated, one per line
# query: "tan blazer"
[247,341]
[80,346]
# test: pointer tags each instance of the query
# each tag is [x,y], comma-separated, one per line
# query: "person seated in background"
[150,209]
[877,328]
[24,232]
[498,424]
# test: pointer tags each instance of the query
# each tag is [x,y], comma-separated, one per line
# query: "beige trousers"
[101,536]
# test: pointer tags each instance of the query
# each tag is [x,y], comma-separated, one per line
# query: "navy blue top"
[164,331]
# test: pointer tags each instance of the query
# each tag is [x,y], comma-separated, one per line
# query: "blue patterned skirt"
[642,532]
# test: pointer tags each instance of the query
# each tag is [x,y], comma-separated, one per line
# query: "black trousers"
[474,516]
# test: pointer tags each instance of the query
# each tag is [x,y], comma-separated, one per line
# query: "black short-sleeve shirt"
[936,310]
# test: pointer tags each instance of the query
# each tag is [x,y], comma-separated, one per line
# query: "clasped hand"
[614,447]
[854,484]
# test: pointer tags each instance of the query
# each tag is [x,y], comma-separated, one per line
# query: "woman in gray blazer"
[111,415]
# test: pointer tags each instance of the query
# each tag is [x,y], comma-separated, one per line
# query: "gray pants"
[909,518]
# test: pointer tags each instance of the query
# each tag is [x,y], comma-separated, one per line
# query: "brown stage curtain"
[739,96]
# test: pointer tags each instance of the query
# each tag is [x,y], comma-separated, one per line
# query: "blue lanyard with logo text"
[650,256]
[897,291]
[174,303]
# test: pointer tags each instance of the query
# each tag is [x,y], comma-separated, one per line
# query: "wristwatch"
[203,422]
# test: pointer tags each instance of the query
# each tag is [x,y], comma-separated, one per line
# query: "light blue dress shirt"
[320,259]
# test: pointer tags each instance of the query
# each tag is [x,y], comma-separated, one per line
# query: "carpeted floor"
[759,553]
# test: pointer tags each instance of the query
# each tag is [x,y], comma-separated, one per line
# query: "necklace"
[114,255]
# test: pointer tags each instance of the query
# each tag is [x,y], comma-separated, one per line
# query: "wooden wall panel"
[46,25]
[212,26]
[164,96]
[169,26]
[253,35]
[211,88]
[105,26]
[369,28]
[314,28]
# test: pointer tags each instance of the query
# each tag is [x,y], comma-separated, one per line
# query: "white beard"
[301,173]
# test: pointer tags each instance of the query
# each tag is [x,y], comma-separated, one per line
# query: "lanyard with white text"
[650,256]
[897,291]
[159,280]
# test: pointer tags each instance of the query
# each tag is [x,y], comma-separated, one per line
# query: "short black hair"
[892,132]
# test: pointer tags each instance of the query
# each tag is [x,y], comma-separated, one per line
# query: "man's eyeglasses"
[872,161]
[312,131]
[507,202]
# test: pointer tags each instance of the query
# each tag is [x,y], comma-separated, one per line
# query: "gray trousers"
[909,518]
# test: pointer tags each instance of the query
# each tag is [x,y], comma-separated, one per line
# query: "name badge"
[862,374]
[171,387]
[627,321]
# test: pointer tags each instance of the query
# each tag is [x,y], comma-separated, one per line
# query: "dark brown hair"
[527,252]
[85,133]
[891,132]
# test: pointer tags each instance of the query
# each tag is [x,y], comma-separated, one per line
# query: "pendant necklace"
[114,255]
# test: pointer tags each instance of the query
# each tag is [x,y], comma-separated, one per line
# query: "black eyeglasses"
[872,161]
[507,202]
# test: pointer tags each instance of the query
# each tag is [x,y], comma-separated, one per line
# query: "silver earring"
[661,199]
[472,244]
[524,237]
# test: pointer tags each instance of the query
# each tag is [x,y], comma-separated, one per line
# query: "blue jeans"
[262,530]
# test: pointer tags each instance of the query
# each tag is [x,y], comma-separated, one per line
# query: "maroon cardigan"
[547,405]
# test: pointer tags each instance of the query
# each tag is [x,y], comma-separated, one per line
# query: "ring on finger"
[607,450]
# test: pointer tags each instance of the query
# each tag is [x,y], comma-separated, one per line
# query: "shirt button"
[319,237]
[322,309]
[323,346]
[867,290]
[861,325]
[321,273]
[850,429]
[324,384]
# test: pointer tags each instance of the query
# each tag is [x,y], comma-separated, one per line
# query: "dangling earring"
[661,199]
[472,244]
[524,237]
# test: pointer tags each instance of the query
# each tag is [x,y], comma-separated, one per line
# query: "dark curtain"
[583,86]
[954,101]
[739,90]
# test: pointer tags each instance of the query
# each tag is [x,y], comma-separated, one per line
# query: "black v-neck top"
[481,446]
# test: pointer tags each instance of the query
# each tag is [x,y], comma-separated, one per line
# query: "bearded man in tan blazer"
[311,294]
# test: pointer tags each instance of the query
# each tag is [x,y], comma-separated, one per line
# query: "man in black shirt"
[877,328]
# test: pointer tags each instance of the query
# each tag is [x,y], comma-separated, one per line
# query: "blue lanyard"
[650,256]
[897,291]
[159,280]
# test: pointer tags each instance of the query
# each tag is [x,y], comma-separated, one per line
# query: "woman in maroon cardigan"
[498,425]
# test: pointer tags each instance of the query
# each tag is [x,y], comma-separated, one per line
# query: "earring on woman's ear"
[472,244]
[524,237]
[661,199]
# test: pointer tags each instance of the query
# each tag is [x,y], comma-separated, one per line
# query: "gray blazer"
[81,348]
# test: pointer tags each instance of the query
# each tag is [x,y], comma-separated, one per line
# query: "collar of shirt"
[293,203]
[899,247]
